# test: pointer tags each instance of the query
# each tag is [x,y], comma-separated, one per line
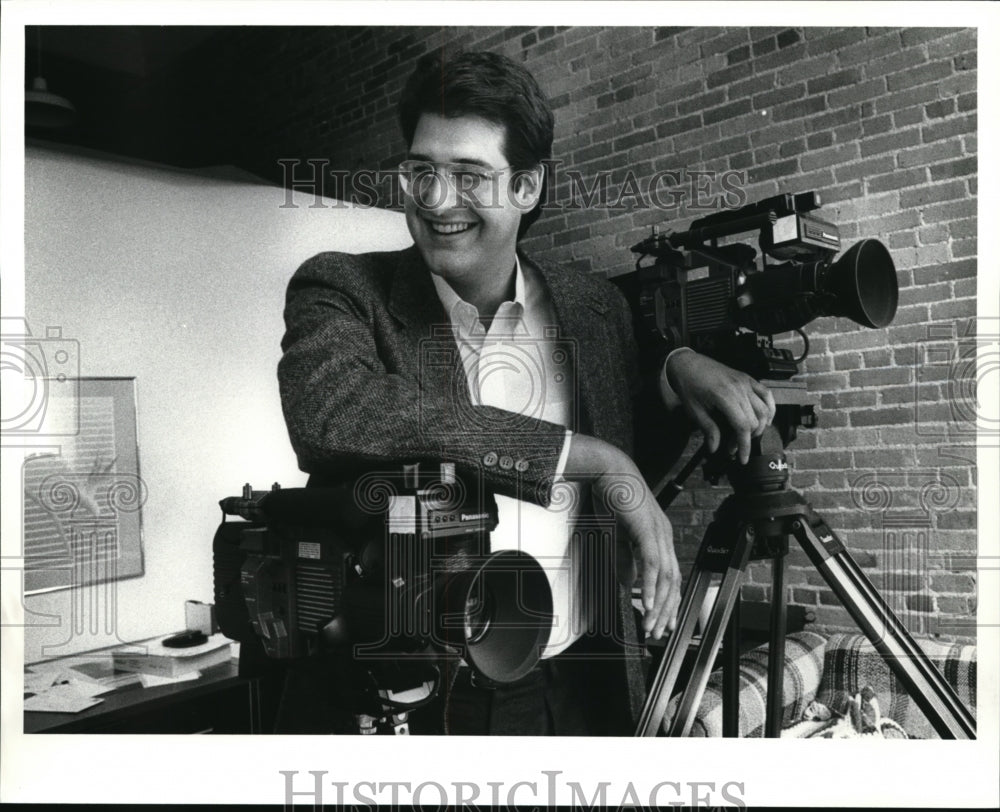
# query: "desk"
[220,701]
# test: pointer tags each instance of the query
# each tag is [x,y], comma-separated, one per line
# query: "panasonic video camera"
[719,301]
[398,565]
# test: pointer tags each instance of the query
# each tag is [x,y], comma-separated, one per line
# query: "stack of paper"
[157,659]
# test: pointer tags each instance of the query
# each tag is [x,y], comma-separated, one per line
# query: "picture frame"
[83,495]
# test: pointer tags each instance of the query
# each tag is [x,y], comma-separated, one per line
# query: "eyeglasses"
[415,176]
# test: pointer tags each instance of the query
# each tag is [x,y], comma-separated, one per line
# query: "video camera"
[398,566]
[716,300]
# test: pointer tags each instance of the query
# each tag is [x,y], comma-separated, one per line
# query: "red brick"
[752,86]
[726,111]
[780,57]
[876,125]
[869,48]
[953,309]
[963,248]
[930,72]
[963,228]
[847,399]
[957,84]
[967,102]
[907,98]
[920,603]
[949,128]
[957,520]
[881,377]
[932,153]
[890,141]
[896,62]
[914,36]
[953,582]
[932,194]
[954,169]
[875,417]
[840,154]
[781,95]
[863,91]
[823,40]
[954,210]
[907,117]
[905,239]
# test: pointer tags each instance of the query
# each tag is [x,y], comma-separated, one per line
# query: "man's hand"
[709,390]
[614,478]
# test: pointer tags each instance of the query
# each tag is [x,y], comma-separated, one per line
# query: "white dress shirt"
[512,366]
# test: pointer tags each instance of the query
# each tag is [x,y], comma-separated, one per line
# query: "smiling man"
[532,340]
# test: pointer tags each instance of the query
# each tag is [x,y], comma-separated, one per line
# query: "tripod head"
[767,468]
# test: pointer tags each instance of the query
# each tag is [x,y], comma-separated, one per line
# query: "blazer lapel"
[581,317]
[426,334]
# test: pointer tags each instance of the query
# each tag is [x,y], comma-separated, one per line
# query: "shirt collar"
[454,305]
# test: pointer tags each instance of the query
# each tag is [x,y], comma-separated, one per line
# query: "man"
[359,392]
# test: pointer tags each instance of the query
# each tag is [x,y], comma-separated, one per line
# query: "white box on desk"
[153,657]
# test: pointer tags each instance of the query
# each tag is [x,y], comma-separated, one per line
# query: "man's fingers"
[664,612]
[650,566]
[743,441]
[766,397]
[762,415]
[707,425]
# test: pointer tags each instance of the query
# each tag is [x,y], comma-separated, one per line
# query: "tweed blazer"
[371,377]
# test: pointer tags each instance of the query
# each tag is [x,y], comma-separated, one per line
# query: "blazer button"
[490,459]
[521,465]
[506,462]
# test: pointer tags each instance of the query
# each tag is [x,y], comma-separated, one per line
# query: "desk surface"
[123,703]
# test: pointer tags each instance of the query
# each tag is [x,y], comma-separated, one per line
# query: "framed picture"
[83,496]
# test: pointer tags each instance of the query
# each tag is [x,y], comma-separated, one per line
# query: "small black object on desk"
[186,639]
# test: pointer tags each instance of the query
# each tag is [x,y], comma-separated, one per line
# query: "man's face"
[465,237]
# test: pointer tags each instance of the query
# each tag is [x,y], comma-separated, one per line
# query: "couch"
[831,677]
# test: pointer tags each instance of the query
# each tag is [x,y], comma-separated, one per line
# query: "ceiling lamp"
[42,108]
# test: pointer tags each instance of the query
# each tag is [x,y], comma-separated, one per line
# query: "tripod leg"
[926,685]
[731,676]
[776,650]
[673,656]
[729,592]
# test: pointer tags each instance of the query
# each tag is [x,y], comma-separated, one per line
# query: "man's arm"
[346,411]
[688,385]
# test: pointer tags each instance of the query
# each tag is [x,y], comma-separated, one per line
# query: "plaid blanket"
[851,663]
[833,672]
[803,669]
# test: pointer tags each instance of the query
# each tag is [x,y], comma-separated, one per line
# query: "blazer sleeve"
[349,409]
[660,435]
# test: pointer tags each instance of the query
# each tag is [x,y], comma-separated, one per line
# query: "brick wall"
[881,121]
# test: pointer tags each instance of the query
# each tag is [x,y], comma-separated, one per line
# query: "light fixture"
[42,108]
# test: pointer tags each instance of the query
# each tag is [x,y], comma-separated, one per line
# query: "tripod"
[755,523]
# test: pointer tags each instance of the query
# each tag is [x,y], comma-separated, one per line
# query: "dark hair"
[493,87]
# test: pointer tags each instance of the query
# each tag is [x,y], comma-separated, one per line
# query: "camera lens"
[479,612]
